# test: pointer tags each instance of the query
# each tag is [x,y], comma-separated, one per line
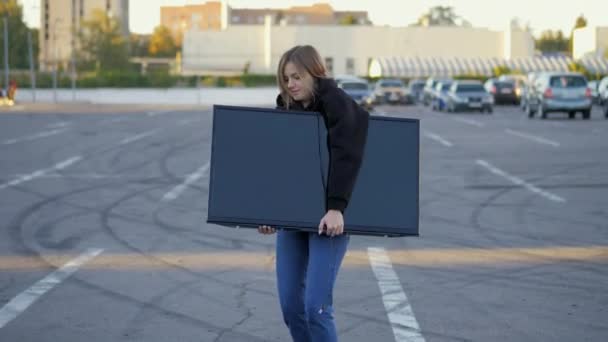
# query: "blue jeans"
[307,266]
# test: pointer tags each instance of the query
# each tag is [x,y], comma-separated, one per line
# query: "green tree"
[18,53]
[102,43]
[139,44]
[162,43]
[348,19]
[552,41]
[441,16]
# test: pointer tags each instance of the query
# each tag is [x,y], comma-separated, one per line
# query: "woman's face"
[299,83]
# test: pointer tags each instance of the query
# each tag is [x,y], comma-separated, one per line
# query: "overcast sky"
[493,14]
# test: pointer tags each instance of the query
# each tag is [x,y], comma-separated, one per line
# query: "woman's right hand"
[266,230]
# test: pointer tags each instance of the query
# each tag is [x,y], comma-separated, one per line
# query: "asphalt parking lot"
[103,235]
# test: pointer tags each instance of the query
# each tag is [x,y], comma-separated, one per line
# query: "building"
[61,20]
[590,41]
[347,49]
[216,15]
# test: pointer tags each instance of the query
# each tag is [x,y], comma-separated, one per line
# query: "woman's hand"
[333,222]
[266,230]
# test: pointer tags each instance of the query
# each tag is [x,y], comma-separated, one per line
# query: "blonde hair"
[305,58]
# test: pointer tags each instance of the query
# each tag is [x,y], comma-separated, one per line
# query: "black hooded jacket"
[347,125]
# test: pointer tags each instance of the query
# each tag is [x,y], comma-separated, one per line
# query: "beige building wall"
[590,41]
[60,21]
[179,19]
[347,49]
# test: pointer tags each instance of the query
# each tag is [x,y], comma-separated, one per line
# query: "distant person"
[12,91]
[307,263]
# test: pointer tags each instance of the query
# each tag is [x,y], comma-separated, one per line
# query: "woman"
[307,263]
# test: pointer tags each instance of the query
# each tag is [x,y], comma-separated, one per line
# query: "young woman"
[307,263]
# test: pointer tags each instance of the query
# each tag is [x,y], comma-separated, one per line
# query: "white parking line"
[438,138]
[155,113]
[137,137]
[520,182]
[60,124]
[400,314]
[34,136]
[469,122]
[20,303]
[40,173]
[187,121]
[538,139]
[176,192]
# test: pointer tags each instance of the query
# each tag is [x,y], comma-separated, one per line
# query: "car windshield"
[501,85]
[354,86]
[467,88]
[567,81]
[391,84]
[417,86]
[445,86]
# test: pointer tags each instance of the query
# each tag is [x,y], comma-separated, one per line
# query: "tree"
[139,45]
[441,16]
[162,43]
[18,53]
[348,20]
[101,42]
[552,42]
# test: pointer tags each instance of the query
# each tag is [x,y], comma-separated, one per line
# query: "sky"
[493,14]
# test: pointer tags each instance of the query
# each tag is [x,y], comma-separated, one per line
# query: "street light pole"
[32,72]
[6,76]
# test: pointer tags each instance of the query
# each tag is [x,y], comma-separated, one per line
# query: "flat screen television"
[269,167]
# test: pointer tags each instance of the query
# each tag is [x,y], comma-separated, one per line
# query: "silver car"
[469,95]
[560,92]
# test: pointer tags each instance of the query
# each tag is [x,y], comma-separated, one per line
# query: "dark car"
[502,91]
[415,92]
[391,91]
[560,92]
[469,95]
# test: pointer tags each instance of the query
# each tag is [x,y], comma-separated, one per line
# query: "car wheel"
[571,115]
[490,110]
[587,114]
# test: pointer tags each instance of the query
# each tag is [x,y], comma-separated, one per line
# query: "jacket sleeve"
[347,125]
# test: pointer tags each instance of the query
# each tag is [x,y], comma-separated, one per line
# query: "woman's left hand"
[333,222]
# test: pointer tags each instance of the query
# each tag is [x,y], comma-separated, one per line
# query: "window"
[236,19]
[350,66]
[329,65]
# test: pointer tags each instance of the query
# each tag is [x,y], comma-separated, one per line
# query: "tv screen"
[270,167]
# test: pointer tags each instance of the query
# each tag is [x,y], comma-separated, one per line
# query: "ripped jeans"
[307,267]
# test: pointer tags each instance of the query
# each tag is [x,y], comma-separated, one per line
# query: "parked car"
[602,90]
[560,92]
[429,89]
[502,91]
[440,96]
[595,95]
[606,109]
[528,89]
[519,81]
[357,88]
[415,91]
[391,91]
[469,95]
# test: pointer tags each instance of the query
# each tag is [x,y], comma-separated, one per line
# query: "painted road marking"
[438,138]
[532,137]
[400,314]
[34,136]
[469,122]
[520,182]
[20,303]
[177,191]
[37,174]
[137,137]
